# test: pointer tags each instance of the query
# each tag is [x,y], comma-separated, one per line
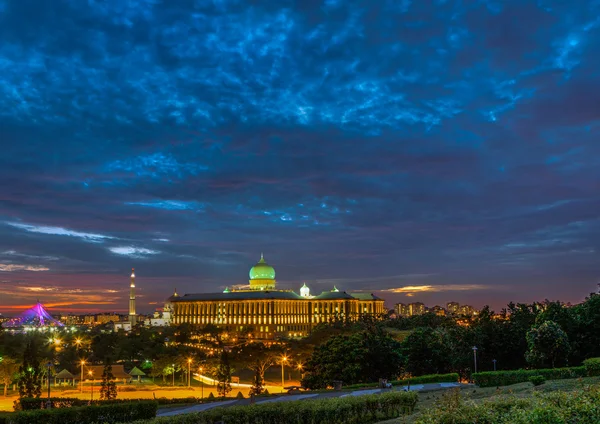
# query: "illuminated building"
[453,308]
[416,308]
[270,313]
[467,310]
[402,310]
[438,310]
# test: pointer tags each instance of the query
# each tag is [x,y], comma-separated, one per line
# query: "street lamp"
[475,358]
[301,369]
[201,382]
[91,374]
[173,365]
[283,360]
[81,381]
[189,373]
[494,361]
[49,365]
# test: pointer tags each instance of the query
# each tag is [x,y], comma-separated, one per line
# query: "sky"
[426,151]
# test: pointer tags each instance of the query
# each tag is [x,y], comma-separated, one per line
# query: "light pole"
[475,358]
[301,369]
[283,360]
[201,382]
[81,380]
[189,373]
[173,365]
[494,361]
[49,365]
[91,374]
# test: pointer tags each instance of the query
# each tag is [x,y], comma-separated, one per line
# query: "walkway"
[306,396]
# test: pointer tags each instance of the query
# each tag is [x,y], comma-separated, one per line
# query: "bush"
[557,407]
[506,378]
[537,380]
[592,366]
[29,404]
[4,417]
[107,414]
[349,410]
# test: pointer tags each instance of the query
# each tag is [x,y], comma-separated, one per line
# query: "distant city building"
[268,312]
[161,317]
[453,308]
[416,308]
[402,310]
[467,310]
[70,319]
[106,318]
[438,310]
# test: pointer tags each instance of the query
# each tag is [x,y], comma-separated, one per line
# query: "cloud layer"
[383,144]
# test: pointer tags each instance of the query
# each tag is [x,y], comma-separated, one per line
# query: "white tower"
[304,291]
[132,314]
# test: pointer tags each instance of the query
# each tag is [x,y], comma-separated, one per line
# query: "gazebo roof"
[135,372]
[64,374]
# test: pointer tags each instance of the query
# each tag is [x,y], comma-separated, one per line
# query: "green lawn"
[428,399]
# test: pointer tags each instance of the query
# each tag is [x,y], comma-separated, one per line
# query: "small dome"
[262,270]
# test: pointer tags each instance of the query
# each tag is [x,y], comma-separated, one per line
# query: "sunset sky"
[423,150]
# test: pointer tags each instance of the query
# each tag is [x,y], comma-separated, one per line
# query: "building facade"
[270,313]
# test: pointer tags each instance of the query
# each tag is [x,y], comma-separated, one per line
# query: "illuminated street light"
[283,361]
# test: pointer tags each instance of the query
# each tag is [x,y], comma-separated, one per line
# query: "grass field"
[428,400]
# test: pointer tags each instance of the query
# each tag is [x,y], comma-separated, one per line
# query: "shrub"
[239,396]
[108,414]
[558,407]
[537,380]
[349,410]
[506,378]
[4,417]
[592,366]
[29,404]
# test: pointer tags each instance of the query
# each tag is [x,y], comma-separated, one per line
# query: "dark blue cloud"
[374,145]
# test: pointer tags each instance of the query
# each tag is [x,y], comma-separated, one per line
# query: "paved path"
[308,396]
[288,398]
[196,408]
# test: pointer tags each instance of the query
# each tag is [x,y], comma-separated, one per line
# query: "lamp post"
[283,360]
[173,365]
[201,382]
[49,365]
[81,380]
[189,373]
[475,358]
[494,361]
[301,369]
[91,374]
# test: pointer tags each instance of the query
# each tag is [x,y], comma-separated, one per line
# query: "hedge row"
[4,417]
[592,366]
[506,378]
[581,407]
[106,414]
[348,410]
[29,404]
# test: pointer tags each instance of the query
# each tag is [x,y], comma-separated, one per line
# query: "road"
[305,396]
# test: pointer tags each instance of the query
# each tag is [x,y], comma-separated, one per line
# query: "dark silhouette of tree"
[548,345]
[30,373]
[258,383]
[223,375]
[108,388]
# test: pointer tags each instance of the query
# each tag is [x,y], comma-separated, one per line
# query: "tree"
[108,388]
[223,375]
[30,374]
[548,345]
[362,357]
[426,352]
[257,357]
[258,383]
[8,370]
[163,366]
